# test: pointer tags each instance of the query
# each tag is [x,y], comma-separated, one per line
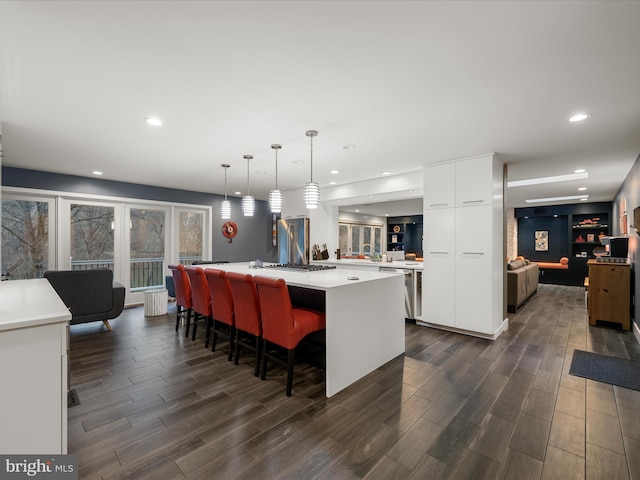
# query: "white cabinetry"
[33,355]
[463,273]
[474,182]
[438,279]
[438,186]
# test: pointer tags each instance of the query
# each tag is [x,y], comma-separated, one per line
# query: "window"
[359,239]
[28,231]
[44,230]
[92,236]
[190,236]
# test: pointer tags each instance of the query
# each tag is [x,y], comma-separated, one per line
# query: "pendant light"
[311,188]
[275,196]
[225,205]
[248,202]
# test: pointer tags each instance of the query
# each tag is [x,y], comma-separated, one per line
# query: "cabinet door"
[438,276]
[439,186]
[474,181]
[473,269]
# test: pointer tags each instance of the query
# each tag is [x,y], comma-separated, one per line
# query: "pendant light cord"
[311,137]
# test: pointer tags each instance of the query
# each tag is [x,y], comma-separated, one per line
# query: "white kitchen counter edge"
[369,263]
[28,303]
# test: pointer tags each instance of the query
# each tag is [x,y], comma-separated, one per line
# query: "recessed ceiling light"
[332,183]
[386,214]
[155,121]
[557,199]
[583,199]
[386,173]
[349,146]
[238,193]
[580,170]
[97,172]
[261,172]
[555,216]
[357,210]
[582,189]
[334,172]
[541,180]
[579,117]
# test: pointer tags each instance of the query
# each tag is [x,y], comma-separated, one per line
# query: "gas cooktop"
[300,267]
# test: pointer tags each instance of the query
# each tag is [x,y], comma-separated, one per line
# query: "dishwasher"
[408,288]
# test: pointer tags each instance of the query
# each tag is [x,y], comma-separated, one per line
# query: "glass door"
[146,249]
[191,228]
[89,236]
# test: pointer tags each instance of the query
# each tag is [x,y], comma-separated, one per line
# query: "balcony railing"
[145,273]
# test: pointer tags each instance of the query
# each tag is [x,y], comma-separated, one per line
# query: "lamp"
[311,188]
[275,196]
[225,205]
[248,202]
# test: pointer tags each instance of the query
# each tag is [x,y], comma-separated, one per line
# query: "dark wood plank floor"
[155,405]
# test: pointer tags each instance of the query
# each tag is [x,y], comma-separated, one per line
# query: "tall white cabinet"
[464,246]
[33,368]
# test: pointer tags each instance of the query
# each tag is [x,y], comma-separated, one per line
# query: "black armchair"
[90,295]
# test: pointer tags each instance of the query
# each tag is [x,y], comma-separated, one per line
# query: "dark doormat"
[72,398]
[602,368]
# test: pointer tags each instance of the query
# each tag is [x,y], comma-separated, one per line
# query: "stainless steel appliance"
[293,241]
[408,288]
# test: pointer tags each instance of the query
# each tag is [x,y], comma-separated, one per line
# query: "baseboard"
[487,336]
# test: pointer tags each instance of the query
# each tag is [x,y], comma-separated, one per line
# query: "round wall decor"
[229,230]
[396,229]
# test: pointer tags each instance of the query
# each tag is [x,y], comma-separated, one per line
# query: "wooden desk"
[609,292]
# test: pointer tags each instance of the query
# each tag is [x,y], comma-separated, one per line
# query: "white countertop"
[369,263]
[319,280]
[27,303]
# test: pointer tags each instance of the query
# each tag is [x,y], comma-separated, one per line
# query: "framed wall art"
[542,240]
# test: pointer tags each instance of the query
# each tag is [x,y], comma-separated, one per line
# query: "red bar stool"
[246,307]
[222,307]
[182,286]
[201,299]
[282,324]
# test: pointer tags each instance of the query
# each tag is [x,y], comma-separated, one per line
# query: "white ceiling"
[407,83]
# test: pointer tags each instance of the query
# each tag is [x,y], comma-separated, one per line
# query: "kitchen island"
[365,317]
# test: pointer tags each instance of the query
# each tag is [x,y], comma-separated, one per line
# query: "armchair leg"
[291,356]
[232,334]
[186,332]
[215,335]
[258,352]
[208,336]
[263,373]
[106,324]
[195,325]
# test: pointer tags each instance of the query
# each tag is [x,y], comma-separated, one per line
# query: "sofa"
[90,295]
[568,271]
[522,282]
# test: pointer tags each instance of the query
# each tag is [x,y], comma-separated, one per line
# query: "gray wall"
[254,233]
[630,190]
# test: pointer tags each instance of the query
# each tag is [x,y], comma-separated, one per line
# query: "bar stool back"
[222,307]
[182,287]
